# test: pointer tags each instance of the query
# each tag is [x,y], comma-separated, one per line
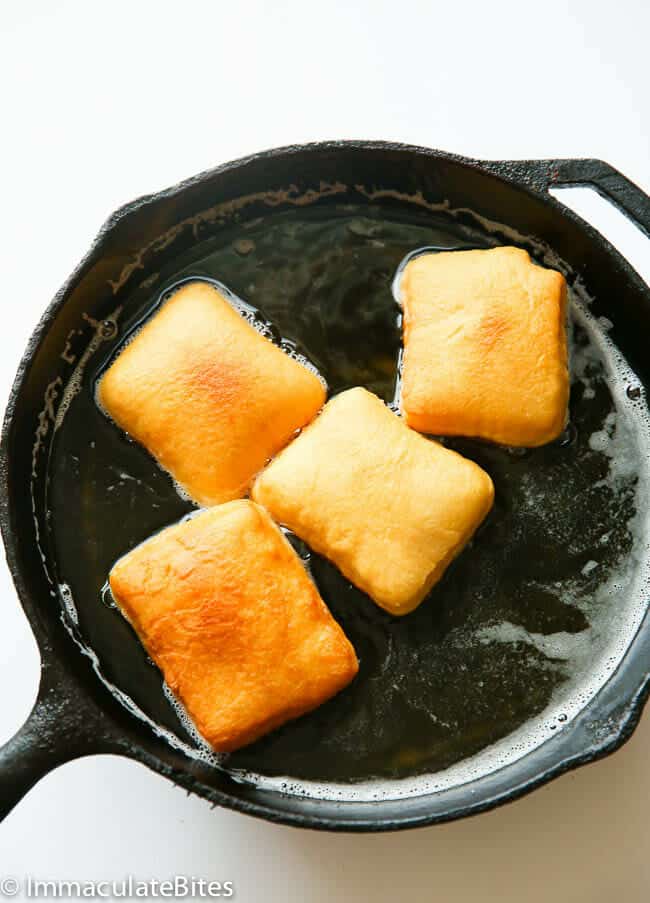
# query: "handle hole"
[611,223]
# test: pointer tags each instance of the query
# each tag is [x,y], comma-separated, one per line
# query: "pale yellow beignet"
[226,609]
[390,508]
[485,349]
[207,394]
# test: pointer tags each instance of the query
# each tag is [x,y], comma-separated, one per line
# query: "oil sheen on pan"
[526,624]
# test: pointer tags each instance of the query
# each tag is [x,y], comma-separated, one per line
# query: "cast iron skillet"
[74,715]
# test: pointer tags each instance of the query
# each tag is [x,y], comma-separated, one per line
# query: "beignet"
[208,396]
[390,508]
[225,608]
[485,350]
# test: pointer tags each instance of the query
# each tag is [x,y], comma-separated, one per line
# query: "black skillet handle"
[603,178]
[62,726]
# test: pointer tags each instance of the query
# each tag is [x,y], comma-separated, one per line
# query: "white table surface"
[103,102]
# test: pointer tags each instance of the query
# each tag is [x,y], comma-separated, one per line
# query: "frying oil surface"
[526,624]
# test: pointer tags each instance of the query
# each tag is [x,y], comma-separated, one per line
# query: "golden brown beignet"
[485,350]
[207,394]
[390,508]
[225,608]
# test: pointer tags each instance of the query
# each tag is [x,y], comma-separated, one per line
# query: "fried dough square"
[390,508]
[226,609]
[209,397]
[485,348]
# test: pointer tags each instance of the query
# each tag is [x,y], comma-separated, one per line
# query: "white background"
[102,102]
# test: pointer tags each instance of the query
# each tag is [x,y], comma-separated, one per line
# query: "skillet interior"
[439,685]
[521,683]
